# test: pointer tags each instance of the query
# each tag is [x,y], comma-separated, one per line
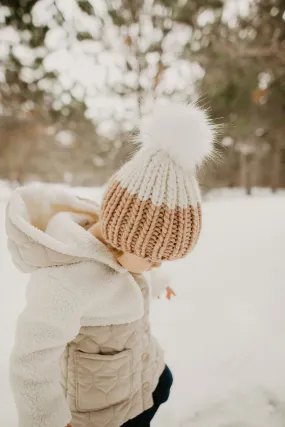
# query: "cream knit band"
[152,204]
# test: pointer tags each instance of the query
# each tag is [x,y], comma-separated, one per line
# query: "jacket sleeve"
[49,321]
[159,282]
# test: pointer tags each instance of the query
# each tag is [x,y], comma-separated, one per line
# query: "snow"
[224,332]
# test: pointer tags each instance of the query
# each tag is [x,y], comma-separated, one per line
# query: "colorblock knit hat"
[151,207]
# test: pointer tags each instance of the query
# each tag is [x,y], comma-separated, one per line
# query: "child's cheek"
[134,263]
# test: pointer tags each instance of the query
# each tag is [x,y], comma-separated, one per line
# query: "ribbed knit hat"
[151,207]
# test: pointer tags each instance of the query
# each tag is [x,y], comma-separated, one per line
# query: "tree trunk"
[254,169]
[244,174]
[231,169]
[276,166]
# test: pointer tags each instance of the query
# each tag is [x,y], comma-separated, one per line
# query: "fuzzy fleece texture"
[184,132]
[74,276]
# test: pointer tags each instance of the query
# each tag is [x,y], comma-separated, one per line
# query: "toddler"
[84,354]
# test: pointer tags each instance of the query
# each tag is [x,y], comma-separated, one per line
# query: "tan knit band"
[153,232]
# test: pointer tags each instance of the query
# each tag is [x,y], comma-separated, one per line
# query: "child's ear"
[87,223]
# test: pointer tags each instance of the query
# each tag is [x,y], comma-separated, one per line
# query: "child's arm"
[57,298]
[51,319]
[159,283]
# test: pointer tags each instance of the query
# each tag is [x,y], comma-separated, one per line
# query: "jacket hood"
[46,227]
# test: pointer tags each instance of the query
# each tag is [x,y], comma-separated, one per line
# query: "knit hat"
[151,207]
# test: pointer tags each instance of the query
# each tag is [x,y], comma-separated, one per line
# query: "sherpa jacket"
[83,350]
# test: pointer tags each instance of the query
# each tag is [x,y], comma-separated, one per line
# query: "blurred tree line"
[75,76]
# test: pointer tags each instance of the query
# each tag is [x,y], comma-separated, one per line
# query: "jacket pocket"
[102,380]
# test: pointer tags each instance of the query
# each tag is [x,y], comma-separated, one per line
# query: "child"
[84,354]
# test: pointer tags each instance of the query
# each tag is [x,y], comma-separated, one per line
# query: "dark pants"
[160,395]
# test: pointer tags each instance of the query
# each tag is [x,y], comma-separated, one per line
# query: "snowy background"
[75,76]
[223,333]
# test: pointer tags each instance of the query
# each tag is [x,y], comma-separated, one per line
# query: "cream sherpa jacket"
[85,320]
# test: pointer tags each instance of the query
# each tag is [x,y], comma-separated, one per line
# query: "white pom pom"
[185,132]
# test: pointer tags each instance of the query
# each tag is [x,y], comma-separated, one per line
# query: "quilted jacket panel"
[110,372]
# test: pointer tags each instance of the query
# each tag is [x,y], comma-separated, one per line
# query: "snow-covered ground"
[224,333]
